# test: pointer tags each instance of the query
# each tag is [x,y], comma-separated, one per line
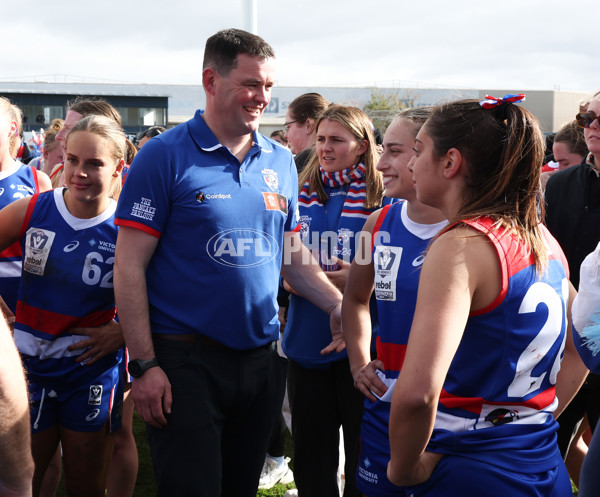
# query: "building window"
[38,116]
[137,117]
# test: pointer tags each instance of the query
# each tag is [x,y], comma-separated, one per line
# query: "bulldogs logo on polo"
[271,179]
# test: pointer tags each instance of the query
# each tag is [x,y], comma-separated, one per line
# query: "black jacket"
[573,213]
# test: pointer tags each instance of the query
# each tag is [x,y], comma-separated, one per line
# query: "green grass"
[277,491]
[145,485]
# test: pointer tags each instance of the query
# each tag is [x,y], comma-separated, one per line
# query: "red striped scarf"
[354,204]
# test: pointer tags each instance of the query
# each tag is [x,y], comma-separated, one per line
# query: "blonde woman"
[388,266]
[16,181]
[339,188]
[68,237]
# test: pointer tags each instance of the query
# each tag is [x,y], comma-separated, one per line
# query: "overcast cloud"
[526,44]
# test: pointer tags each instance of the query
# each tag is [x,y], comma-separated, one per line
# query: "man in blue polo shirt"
[207,222]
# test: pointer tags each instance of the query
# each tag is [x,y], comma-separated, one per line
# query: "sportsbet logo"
[242,247]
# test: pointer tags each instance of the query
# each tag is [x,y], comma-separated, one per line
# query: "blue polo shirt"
[220,226]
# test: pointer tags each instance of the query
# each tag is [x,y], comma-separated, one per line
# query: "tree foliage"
[384,105]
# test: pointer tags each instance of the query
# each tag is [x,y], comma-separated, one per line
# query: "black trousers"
[322,400]
[224,405]
[276,446]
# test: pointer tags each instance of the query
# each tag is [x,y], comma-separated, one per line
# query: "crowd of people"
[416,300]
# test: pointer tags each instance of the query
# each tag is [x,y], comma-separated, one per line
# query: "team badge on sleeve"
[143,209]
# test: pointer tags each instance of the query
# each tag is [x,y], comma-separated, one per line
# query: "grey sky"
[526,44]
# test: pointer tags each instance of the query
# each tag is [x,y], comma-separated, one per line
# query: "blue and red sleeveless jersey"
[498,397]
[14,184]
[398,250]
[66,283]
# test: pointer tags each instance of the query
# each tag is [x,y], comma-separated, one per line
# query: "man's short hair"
[223,48]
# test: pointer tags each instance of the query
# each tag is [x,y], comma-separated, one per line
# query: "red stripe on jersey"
[378,224]
[13,251]
[36,180]
[28,214]
[471,404]
[512,255]
[392,354]
[474,404]
[541,400]
[139,226]
[54,323]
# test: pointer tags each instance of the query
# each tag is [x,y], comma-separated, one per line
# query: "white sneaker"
[292,492]
[272,474]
